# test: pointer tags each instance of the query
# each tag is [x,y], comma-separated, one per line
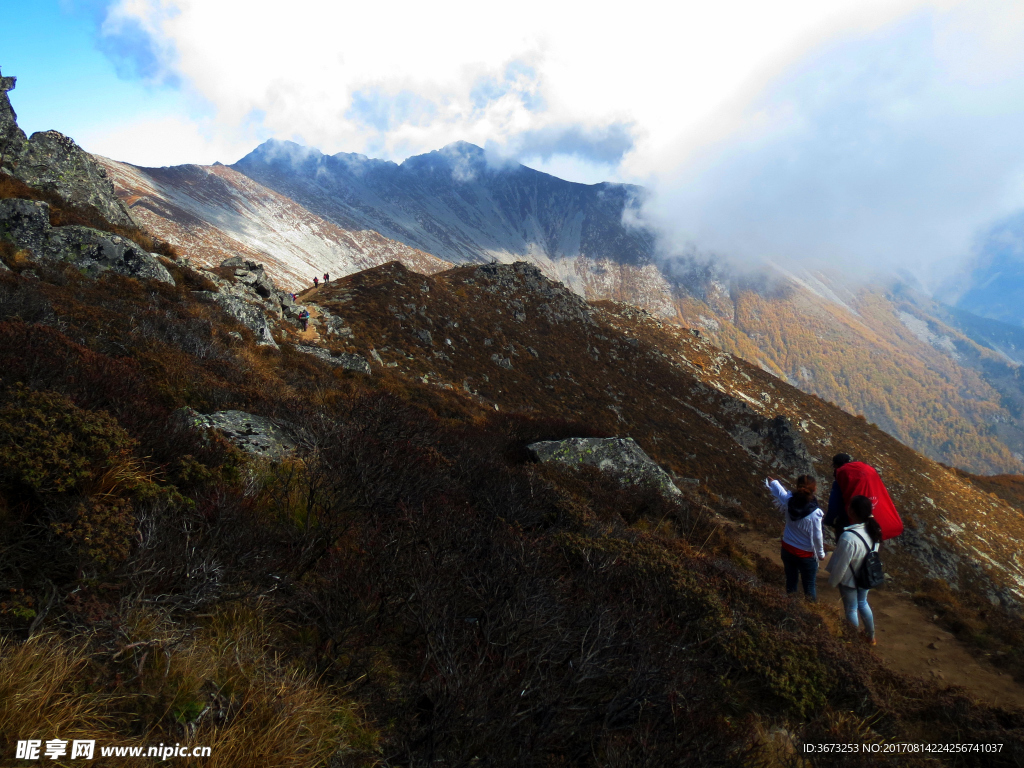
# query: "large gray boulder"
[619,455]
[248,314]
[95,252]
[26,224]
[51,161]
[349,362]
[257,435]
[252,274]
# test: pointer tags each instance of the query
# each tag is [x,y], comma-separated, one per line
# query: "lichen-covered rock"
[248,314]
[26,224]
[349,362]
[51,161]
[95,252]
[257,435]
[620,455]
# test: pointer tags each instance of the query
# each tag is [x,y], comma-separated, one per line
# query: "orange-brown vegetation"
[861,363]
[676,395]
[411,588]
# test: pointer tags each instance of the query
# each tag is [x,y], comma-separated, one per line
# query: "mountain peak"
[282,149]
[463,160]
[462,148]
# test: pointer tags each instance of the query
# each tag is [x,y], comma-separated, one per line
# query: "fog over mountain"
[895,150]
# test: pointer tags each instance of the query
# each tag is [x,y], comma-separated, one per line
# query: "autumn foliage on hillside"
[862,364]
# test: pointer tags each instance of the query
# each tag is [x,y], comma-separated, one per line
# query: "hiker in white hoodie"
[802,545]
[853,546]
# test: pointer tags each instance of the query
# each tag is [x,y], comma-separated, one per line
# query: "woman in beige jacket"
[860,536]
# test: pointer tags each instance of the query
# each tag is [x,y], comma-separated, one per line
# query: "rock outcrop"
[777,443]
[253,274]
[250,297]
[51,161]
[560,306]
[349,362]
[247,313]
[26,224]
[257,435]
[619,455]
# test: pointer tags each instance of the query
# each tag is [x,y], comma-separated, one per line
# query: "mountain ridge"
[484,215]
[976,424]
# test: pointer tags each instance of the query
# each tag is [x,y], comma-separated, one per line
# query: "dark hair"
[841,458]
[806,485]
[861,507]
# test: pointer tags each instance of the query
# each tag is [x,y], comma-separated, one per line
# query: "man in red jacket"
[835,515]
[855,478]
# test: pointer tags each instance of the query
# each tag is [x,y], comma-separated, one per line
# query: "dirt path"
[908,640]
[310,335]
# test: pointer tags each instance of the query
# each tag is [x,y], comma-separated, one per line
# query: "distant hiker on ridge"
[304,319]
[802,545]
[327,277]
[845,564]
[316,281]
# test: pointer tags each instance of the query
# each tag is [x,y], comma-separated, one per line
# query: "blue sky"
[65,81]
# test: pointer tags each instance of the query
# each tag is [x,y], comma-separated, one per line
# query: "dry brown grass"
[44,694]
[223,686]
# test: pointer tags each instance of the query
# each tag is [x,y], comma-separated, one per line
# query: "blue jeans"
[796,566]
[855,600]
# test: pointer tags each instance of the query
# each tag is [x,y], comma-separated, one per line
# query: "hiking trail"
[909,641]
[309,336]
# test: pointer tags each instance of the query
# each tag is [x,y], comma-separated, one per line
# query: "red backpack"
[858,479]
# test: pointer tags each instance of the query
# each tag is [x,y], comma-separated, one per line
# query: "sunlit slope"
[879,353]
[213,213]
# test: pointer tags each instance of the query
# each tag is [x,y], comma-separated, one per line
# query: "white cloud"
[158,140]
[302,66]
[892,149]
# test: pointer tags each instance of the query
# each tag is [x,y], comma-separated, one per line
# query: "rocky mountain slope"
[213,213]
[936,378]
[948,386]
[511,337]
[458,205]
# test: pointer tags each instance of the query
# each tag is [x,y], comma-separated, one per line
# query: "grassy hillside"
[411,590]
